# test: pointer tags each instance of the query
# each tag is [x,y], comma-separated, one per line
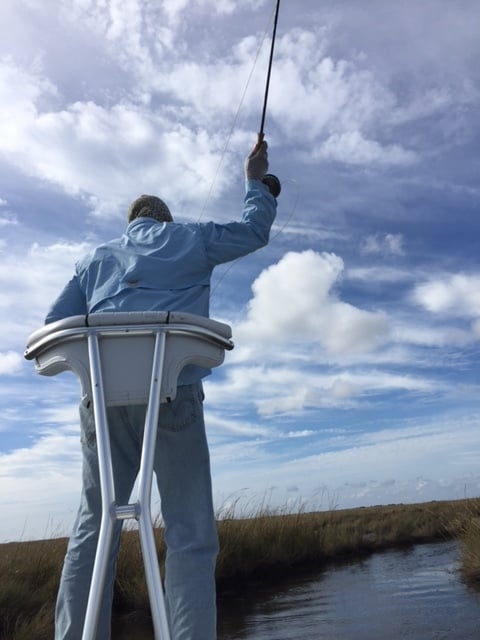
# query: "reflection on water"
[397,595]
[414,594]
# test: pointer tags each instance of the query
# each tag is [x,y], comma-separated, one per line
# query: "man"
[157,265]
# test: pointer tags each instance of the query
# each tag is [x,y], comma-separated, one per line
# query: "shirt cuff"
[255,184]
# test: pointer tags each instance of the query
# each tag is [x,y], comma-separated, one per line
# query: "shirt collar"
[142,220]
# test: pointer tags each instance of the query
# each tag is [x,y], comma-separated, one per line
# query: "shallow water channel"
[413,594]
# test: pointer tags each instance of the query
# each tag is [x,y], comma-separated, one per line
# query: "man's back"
[164,265]
[153,266]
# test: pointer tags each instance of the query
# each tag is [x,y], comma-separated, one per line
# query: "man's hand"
[256,165]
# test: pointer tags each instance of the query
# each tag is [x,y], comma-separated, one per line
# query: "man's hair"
[149,207]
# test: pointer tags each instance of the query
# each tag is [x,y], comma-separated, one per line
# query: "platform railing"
[128,358]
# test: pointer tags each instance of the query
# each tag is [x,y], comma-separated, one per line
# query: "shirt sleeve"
[225,242]
[70,302]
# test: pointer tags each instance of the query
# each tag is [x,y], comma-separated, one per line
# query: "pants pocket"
[186,409]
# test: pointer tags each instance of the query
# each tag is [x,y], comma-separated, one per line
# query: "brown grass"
[266,544]
[252,548]
[30,573]
[468,532]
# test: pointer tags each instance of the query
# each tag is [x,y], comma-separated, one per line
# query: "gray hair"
[149,207]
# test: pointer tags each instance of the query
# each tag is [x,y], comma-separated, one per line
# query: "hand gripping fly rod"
[272,182]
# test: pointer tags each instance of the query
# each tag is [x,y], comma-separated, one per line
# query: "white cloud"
[20,91]
[8,219]
[417,333]
[10,363]
[387,244]
[343,390]
[351,147]
[108,152]
[294,301]
[221,424]
[40,273]
[46,482]
[328,93]
[380,274]
[455,294]
[401,463]
[174,8]
[276,389]
[147,39]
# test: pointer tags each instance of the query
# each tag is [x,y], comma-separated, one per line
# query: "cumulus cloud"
[294,300]
[456,294]
[147,40]
[338,103]
[107,152]
[328,92]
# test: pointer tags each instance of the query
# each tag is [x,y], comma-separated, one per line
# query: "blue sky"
[354,380]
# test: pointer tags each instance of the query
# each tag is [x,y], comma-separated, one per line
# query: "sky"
[355,376]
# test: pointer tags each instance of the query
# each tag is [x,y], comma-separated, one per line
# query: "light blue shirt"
[166,266]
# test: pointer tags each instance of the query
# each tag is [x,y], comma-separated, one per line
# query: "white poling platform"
[128,358]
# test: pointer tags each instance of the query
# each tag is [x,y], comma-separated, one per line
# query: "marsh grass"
[264,545]
[468,532]
[30,573]
[256,547]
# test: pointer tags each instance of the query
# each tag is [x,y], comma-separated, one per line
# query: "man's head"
[149,207]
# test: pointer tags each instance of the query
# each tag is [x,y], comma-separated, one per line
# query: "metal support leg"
[141,510]
[107,491]
[149,552]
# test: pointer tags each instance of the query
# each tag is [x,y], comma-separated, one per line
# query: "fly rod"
[272,182]
[261,133]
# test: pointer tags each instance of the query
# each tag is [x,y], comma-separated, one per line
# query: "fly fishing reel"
[273,184]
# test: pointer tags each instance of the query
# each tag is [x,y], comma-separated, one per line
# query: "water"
[413,594]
